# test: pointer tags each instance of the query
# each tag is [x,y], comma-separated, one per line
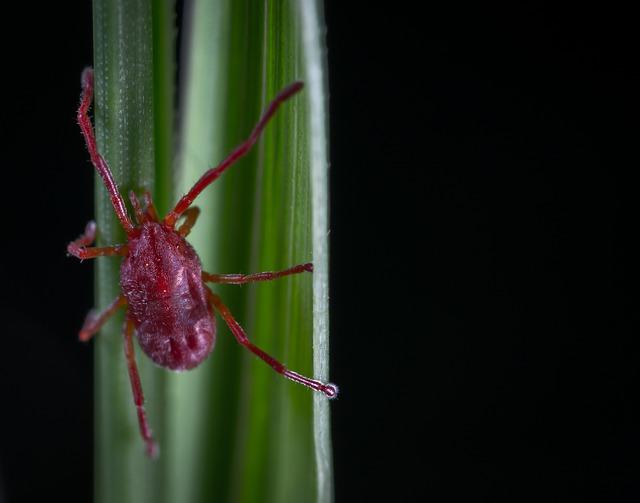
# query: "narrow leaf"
[241,432]
[127,107]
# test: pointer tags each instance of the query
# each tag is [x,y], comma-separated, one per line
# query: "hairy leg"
[211,175]
[95,320]
[190,217]
[96,159]
[328,389]
[136,388]
[152,214]
[241,279]
[137,209]
[78,248]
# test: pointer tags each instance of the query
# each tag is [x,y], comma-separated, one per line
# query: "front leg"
[78,248]
[241,150]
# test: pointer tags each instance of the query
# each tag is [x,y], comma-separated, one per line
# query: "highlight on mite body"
[168,304]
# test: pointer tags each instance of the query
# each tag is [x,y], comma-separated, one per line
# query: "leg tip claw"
[330,390]
[152,450]
[87,77]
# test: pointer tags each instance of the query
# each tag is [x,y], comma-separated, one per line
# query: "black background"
[483,211]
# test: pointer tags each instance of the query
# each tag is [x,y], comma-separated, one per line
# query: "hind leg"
[328,389]
[136,388]
[94,320]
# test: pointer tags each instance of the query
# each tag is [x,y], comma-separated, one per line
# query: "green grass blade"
[230,430]
[132,99]
[239,432]
[312,23]
[163,20]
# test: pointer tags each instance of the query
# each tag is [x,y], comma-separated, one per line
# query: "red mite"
[163,286]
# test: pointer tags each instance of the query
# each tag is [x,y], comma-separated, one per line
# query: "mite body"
[169,306]
[161,280]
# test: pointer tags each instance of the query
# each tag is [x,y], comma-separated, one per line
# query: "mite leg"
[211,175]
[328,389]
[136,388]
[151,209]
[78,248]
[190,217]
[241,279]
[137,209]
[94,320]
[96,159]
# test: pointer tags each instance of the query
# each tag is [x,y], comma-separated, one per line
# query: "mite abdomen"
[181,337]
